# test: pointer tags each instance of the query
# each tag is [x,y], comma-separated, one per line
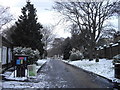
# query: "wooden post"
[104,51]
[111,54]
[7,58]
[119,47]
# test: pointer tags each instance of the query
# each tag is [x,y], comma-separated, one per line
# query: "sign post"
[21,65]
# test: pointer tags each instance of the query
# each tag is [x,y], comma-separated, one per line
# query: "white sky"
[44,12]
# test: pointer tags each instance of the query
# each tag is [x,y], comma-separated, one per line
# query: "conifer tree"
[28,30]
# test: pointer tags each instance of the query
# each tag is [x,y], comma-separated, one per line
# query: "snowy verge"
[11,75]
[40,63]
[27,85]
[103,68]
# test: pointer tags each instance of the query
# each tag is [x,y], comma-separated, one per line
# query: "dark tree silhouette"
[56,47]
[66,48]
[28,30]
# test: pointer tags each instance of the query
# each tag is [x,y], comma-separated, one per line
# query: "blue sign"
[18,62]
[25,58]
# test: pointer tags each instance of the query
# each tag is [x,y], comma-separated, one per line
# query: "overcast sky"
[46,16]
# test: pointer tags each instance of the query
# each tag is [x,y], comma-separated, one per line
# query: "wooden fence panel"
[109,51]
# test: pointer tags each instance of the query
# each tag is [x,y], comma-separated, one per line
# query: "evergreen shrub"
[73,57]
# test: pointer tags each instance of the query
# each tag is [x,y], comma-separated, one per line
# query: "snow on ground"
[12,76]
[8,73]
[104,67]
[18,84]
[40,62]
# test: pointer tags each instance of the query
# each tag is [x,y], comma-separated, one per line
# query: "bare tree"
[48,35]
[5,16]
[56,48]
[90,18]
[8,32]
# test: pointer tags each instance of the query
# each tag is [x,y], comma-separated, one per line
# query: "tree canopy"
[5,16]
[89,17]
[28,30]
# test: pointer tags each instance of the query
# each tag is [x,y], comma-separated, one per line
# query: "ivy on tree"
[28,30]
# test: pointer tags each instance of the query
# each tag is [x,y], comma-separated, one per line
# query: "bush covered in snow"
[75,55]
[79,55]
[33,55]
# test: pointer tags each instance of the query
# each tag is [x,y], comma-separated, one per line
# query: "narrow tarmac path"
[61,75]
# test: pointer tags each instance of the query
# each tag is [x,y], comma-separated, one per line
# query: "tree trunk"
[90,53]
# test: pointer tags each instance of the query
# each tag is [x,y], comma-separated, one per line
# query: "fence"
[108,51]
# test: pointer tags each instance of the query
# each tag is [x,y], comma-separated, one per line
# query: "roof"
[5,42]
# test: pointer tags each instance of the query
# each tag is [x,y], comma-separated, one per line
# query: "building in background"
[6,54]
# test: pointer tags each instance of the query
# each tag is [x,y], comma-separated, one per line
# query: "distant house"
[5,52]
